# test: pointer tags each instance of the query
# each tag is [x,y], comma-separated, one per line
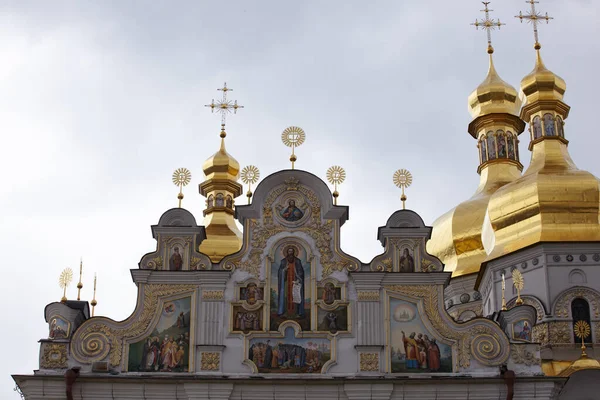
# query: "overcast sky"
[101,101]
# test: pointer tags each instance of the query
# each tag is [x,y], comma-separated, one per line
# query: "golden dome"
[542,84]
[553,201]
[221,165]
[493,95]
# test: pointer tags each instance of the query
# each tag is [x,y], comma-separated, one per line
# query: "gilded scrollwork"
[369,362]
[597,330]
[99,337]
[520,355]
[539,334]
[197,264]
[562,306]
[368,295]
[155,263]
[54,356]
[481,339]
[560,332]
[213,295]
[386,265]
[210,361]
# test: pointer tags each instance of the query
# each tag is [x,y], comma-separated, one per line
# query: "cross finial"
[534,16]
[488,24]
[224,107]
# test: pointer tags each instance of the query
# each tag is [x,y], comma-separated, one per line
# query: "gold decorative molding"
[98,337]
[369,362]
[480,339]
[210,361]
[155,263]
[560,332]
[562,307]
[368,295]
[213,295]
[386,265]
[597,331]
[539,334]
[196,263]
[520,355]
[54,356]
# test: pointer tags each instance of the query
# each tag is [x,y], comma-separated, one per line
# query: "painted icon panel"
[329,293]
[289,354]
[290,286]
[59,328]
[167,349]
[413,347]
[522,330]
[333,321]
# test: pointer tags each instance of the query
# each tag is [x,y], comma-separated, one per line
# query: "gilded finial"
[488,24]
[582,330]
[534,16]
[293,137]
[64,280]
[519,284]
[403,179]
[250,175]
[80,284]
[181,177]
[336,176]
[503,290]
[94,302]
[224,107]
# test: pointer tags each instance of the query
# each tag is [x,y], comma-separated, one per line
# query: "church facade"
[500,298]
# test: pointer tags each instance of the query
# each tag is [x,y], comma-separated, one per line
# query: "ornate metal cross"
[224,106]
[488,24]
[534,16]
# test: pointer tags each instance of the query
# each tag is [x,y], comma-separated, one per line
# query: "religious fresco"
[59,328]
[290,291]
[413,347]
[292,209]
[176,259]
[251,293]
[247,320]
[334,320]
[167,348]
[329,293]
[407,261]
[289,354]
[522,330]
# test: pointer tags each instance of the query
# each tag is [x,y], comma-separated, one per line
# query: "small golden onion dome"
[542,84]
[494,96]
[221,165]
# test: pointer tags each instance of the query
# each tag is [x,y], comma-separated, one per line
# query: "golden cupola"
[220,188]
[553,201]
[494,106]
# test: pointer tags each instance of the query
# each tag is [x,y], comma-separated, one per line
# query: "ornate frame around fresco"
[298,333]
[101,337]
[478,338]
[162,300]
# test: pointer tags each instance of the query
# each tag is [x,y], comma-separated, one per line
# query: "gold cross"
[224,106]
[534,16]
[488,24]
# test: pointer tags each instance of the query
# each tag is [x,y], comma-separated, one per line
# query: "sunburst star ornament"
[181,178]
[582,330]
[336,176]
[403,179]
[519,284]
[64,280]
[293,137]
[249,176]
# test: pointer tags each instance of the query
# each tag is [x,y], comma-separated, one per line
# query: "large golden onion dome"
[553,201]
[456,236]
[220,188]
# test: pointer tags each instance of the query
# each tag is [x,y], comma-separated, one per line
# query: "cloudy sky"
[101,101]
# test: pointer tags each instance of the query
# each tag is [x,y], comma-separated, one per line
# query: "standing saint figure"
[411,350]
[176,261]
[291,212]
[290,276]
[407,263]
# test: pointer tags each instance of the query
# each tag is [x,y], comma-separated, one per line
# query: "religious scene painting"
[59,328]
[246,320]
[413,348]
[290,286]
[251,293]
[333,321]
[289,354]
[329,293]
[522,330]
[167,349]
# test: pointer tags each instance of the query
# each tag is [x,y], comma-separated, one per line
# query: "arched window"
[501,140]
[536,128]
[491,145]
[220,202]
[580,310]
[483,150]
[510,144]
[210,201]
[559,127]
[549,125]
[577,277]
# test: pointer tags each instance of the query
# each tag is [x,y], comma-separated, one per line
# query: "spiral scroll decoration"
[486,347]
[94,346]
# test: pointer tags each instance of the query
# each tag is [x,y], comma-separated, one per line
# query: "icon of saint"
[176,261]
[291,212]
[407,263]
[290,285]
